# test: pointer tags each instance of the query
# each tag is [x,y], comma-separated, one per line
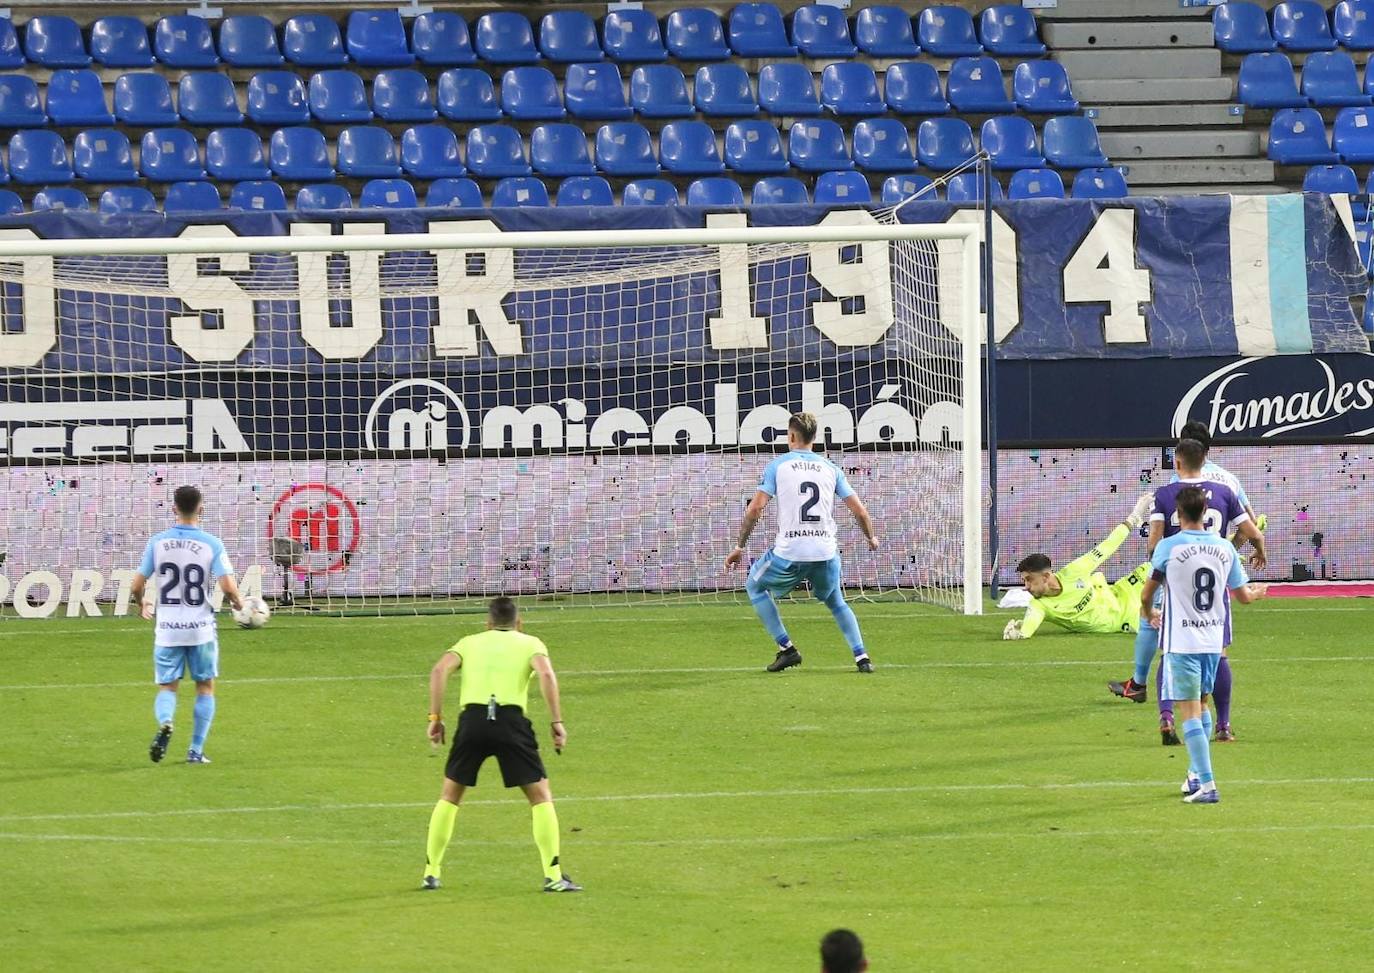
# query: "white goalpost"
[408,421]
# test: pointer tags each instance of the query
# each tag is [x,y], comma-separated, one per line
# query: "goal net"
[409,422]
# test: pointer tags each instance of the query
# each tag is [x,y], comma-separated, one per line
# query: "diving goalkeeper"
[1078,597]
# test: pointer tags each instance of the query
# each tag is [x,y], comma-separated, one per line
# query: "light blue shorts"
[1188,676]
[172,662]
[779,576]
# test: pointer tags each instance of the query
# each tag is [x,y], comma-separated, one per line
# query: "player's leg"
[169,666]
[469,750]
[204,665]
[1192,678]
[441,822]
[1128,591]
[828,587]
[522,767]
[770,574]
[1167,734]
[1221,695]
[545,826]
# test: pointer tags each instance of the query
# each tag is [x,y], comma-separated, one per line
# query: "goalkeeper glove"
[1013,631]
[1140,511]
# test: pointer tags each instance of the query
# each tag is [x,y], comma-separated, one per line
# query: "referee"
[497,665]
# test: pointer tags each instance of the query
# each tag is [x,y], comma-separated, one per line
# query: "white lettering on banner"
[1004,274]
[845,279]
[324,280]
[421,429]
[190,279]
[117,430]
[507,426]
[736,327]
[475,282]
[37,579]
[1103,271]
[1271,415]
[86,587]
[25,348]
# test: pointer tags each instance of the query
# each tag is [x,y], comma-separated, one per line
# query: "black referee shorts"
[509,738]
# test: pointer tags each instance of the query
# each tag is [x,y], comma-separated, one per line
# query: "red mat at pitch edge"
[1348,589]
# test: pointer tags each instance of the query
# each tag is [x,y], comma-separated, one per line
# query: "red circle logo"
[320,526]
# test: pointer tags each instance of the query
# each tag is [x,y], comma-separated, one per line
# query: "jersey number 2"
[191,583]
[1204,589]
[813,490]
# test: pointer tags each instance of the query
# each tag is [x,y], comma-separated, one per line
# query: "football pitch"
[974,804]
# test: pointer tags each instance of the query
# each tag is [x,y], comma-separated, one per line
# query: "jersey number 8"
[1204,589]
[191,583]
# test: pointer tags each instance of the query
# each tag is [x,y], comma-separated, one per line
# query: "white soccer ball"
[255,613]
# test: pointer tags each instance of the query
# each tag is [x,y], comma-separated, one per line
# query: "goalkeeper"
[1078,597]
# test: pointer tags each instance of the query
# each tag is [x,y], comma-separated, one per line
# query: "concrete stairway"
[1149,75]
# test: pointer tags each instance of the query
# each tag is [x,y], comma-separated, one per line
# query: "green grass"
[974,805]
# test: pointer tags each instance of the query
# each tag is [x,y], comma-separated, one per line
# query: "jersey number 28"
[182,587]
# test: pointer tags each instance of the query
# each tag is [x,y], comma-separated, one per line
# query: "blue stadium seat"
[585,191]
[1070,142]
[313,41]
[788,90]
[1042,88]
[120,42]
[1329,79]
[967,187]
[756,30]
[467,95]
[77,98]
[1352,135]
[569,36]
[207,98]
[821,30]
[913,88]
[595,91]
[19,104]
[526,93]
[1298,135]
[632,36]
[170,155]
[1364,245]
[185,41]
[1242,28]
[1301,25]
[103,155]
[60,198]
[249,41]
[1331,179]
[504,37]
[517,191]
[779,191]
[885,32]
[976,87]
[851,88]
[496,150]
[649,192]
[367,152]
[689,149]
[723,91]
[947,32]
[1266,81]
[715,191]
[453,194]
[402,95]
[625,149]
[1369,312]
[431,152]
[660,91]
[754,146]
[278,98]
[441,38]
[1035,184]
[377,38]
[387,194]
[338,98]
[882,145]
[10,203]
[694,34]
[323,196]
[943,143]
[11,54]
[260,195]
[1010,141]
[842,189]
[235,155]
[127,199]
[55,42]
[560,149]
[299,155]
[899,188]
[1010,31]
[192,197]
[1352,23]
[143,99]
[817,145]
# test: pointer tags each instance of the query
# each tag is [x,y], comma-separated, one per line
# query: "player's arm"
[438,682]
[865,522]
[1085,565]
[1241,588]
[752,513]
[1147,599]
[1025,627]
[230,587]
[1156,535]
[1246,530]
[140,583]
[548,688]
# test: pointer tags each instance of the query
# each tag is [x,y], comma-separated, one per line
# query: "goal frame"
[445,238]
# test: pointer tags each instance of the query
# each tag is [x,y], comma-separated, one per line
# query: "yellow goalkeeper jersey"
[1087,602]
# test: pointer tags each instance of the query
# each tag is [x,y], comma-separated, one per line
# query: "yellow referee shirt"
[497,663]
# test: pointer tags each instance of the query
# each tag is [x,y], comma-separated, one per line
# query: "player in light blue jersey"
[1198,570]
[805,549]
[187,562]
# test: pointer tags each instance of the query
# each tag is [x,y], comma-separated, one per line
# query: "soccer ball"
[254,615]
